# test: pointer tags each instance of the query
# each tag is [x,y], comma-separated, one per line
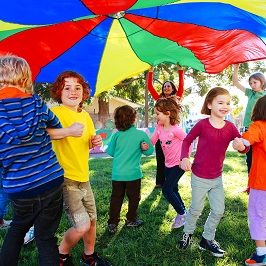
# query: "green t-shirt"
[125,148]
[253,96]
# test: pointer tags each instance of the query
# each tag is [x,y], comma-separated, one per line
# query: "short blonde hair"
[15,71]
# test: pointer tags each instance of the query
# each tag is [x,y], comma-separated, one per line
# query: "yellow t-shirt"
[73,152]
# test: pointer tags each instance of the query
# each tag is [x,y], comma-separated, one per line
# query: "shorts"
[257,214]
[79,202]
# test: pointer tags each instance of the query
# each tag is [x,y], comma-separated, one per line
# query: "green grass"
[155,243]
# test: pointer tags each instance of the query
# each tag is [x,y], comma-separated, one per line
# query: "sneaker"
[29,236]
[179,221]
[256,260]
[112,228]
[93,260]
[212,246]
[65,260]
[134,223]
[5,224]
[186,241]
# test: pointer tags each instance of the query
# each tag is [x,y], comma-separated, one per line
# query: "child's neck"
[167,125]
[217,122]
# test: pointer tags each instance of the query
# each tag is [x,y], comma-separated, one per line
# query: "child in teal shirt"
[126,146]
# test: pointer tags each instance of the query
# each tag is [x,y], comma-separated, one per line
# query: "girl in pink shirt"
[171,136]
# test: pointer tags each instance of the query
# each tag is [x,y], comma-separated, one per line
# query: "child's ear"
[168,112]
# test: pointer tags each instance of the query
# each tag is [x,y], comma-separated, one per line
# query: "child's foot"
[186,241]
[256,260]
[93,260]
[112,228]
[65,260]
[4,224]
[179,221]
[136,223]
[29,236]
[212,246]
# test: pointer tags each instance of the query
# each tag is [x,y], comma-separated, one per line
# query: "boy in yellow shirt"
[71,90]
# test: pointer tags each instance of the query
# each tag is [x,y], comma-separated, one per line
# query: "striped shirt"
[29,163]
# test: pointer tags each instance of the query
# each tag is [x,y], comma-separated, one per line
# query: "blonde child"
[214,135]
[256,136]
[127,146]
[31,175]
[170,135]
[71,90]
[257,83]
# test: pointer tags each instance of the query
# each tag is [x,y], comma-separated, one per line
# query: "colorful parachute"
[109,40]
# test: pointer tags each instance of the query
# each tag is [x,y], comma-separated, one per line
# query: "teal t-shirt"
[253,96]
[125,147]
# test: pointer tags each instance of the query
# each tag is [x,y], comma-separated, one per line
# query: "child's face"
[220,106]
[167,89]
[162,119]
[255,84]
[72,93]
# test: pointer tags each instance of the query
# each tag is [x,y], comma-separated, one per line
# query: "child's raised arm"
[235,78]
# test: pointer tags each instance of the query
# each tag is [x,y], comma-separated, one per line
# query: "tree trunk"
[103,114]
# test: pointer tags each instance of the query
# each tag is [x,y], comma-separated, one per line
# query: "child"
[31,175]
[256,136]
[170,136]
[214,135]
[257,83]
[71,90]
[168,90]
[126,146]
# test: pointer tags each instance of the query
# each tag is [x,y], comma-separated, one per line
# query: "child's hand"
[238,144]
[76,129]
[235,67]
[185,164]
[144,146]
[96,141]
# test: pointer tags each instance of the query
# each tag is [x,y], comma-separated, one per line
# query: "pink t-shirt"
[171,142]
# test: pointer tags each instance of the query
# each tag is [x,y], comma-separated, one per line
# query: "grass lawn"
[155,243]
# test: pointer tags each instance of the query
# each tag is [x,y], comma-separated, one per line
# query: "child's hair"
[260,77]
[15,71]
[173,88]
[59,84]
[169,105]
[259,110]
[214,92]
[125,117]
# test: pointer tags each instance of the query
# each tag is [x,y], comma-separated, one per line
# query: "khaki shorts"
[79,202]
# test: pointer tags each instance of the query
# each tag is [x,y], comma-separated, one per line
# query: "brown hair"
[214,92]
[169,105]
[260,77]
[15,71]
[259,110]
[124,116]
[173,88]
[59,84]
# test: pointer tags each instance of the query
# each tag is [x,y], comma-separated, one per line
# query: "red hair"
[59,84]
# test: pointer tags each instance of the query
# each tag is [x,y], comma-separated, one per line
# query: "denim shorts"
[257,214]
[79,202]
